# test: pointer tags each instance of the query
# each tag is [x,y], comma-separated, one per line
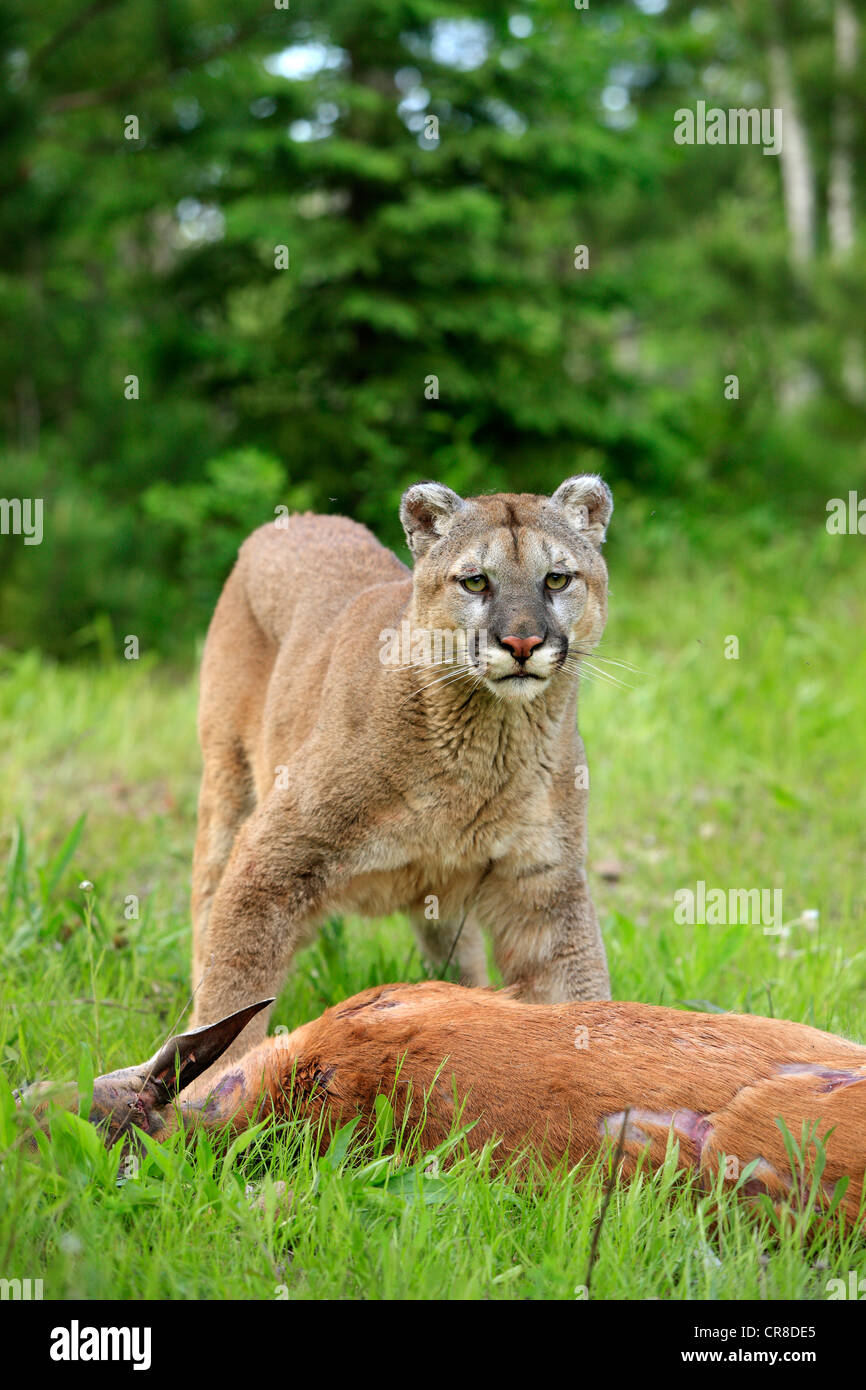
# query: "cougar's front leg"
[274,889]
[545,932]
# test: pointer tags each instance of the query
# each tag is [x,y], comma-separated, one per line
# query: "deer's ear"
[587,503]
[427,511]
[184,1057]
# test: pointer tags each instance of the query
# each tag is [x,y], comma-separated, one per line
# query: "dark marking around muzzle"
[131,1098]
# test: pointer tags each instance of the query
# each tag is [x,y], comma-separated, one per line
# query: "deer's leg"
[829,1097]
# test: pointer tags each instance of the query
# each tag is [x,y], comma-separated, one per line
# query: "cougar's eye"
[557,582]
[475,583]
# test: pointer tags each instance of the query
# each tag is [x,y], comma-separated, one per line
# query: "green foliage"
[409,257]
[203,522]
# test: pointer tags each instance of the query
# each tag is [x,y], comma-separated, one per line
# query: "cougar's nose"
[521,647]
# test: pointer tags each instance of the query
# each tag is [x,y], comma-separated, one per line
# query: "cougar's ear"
[587,503]
[184,1057]
[427,511]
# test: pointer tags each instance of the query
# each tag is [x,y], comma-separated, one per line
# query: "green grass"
[743,773]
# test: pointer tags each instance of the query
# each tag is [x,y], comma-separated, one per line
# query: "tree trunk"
[798,176]
[840,191]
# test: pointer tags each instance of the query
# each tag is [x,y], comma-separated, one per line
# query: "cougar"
[377,739]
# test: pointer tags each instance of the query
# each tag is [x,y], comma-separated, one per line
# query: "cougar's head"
[517,581]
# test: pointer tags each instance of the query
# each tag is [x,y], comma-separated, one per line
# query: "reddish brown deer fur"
[559,1076]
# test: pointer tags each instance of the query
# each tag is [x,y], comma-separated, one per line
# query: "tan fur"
[335,783]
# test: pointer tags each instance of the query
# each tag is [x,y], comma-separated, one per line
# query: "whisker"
[391,667]
[626,665]
[449,678]
[572,665]
[608,660]
[605,676]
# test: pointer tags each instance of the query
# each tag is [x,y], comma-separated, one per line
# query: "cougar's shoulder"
[312,566]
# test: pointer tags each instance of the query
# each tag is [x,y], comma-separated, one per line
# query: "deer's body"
[558,1078]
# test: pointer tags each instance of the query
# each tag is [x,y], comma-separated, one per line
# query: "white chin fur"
[497,665]
[518,690]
